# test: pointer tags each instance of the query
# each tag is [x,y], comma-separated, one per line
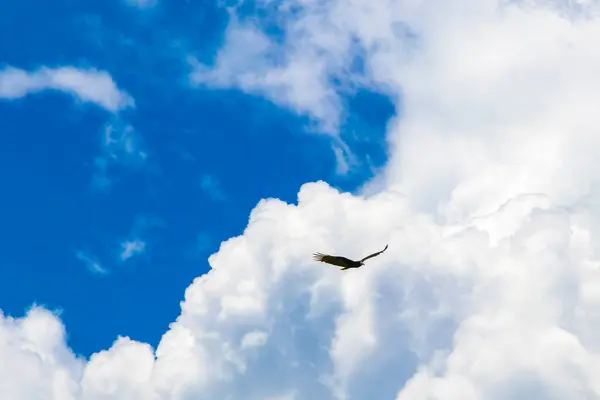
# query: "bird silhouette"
[344,262]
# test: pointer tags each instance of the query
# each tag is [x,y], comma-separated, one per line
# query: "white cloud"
[87,85]
[121,145]
[36,362]
[254,339]
[294,74]
[251,60]
[489,289]
[131,248]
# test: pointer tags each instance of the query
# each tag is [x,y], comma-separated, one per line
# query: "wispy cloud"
[289,73]
[122,147]
[121,139]
[142,3]
[212,187]
[91,263]
[252,61]
[87,85]
[136,242]
[132,248]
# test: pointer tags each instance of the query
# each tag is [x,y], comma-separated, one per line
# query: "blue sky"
[200,160]
[146,140]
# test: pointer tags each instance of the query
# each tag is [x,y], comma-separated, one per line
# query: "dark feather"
[374,254]
[333,260]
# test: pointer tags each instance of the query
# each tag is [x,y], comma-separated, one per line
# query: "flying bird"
[344,262]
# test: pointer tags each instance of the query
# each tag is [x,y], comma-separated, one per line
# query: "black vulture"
[344,262]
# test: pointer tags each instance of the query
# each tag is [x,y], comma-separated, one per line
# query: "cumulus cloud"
[489,289]
[37,362]
[87,85]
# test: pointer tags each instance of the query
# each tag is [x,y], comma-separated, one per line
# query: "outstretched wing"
[334,260]
[374,254]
